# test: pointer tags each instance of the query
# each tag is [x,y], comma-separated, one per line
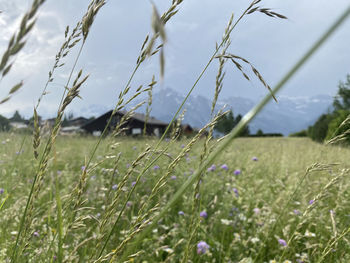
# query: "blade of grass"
[59,220]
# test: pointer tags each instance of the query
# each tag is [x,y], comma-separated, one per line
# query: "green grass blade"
[59,221]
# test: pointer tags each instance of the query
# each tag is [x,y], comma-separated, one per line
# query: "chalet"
[133,126]
[77,122]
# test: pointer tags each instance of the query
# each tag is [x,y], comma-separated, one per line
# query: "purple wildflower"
[235,190]
[202,247]
[296,211]
[212,168]
[156,167]
[36,234]
[59,172]
[255,159]
[237,172]
[311,202]
[182,146]
[2,191]
[134,148]
[224,167]
[83,168]
[181,213]
[173,177]
[114,187]
[129,204]
[282,242]
[203,214]
[133,183]
[128,165]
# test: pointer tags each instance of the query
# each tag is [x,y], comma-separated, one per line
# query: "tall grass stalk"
[245,120]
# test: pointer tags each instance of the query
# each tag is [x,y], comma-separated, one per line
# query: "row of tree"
[334,122]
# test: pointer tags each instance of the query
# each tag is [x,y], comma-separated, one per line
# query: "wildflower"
[36,234]
[282,242]
[98,215]
[129,204]
[311,202]
[93,177]
[202,247]
[2,191]
[83,168]
[134,148]
[203,214]
[182,146]
[272,261]
[287,261]
[181,213]
[133,183]
[114,187]
[224,167]
[296,211]
[59,172]
[212,168]
[156,167]
[235,190]
[128,165]
[255,240]
[173,177]
[237,172]
[255,159]
[309,234]
[256,210]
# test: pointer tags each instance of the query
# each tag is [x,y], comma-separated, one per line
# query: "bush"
[4,124]
[302,133]
[319,130]
[334,128]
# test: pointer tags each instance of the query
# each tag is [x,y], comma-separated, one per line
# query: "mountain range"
[288,115]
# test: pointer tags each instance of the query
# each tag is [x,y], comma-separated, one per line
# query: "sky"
[109,56]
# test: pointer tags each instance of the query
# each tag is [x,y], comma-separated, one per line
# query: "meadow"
[283,199]
[170,199]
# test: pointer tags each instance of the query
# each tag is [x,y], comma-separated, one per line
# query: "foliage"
[319,130]
[259,133]
[302,133]
[17,117]
[227,122]
[4,124]
[335,127]
[342,100]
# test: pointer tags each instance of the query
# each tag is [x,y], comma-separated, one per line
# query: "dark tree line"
[227,122]
[327,125]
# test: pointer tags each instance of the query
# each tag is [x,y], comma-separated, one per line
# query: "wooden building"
[134,126]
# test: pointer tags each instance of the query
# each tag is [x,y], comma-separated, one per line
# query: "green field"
[253,207]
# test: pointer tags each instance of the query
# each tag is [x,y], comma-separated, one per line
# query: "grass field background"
[252,200]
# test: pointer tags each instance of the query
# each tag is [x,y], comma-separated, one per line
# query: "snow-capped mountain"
[289,115]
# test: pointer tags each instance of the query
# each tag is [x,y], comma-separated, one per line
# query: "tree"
[227,122]
[259,133]
[245,131]
[342,100]
[4,124]
[319,130]
[17,117]
[339,124]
